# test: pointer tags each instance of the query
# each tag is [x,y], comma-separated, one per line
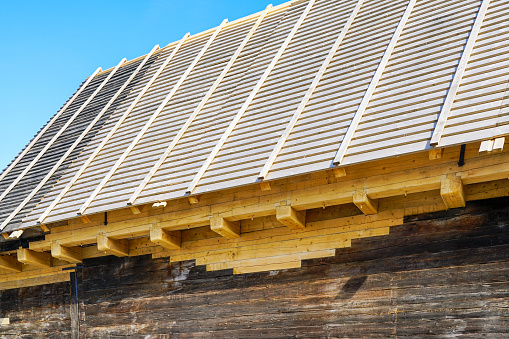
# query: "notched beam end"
[85,219]
[225,228]
[69,254]
[436,153]
[265,186]
[292,218]
[136,209]
[119,248]
[364,203]
[339,172]
[26,256]
[9,264]
[168,240]
[194,199]
[44,228]
[452,191]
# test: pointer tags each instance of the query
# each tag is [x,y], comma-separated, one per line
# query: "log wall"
[443,274]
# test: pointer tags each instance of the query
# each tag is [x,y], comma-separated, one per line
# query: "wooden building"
[320,169]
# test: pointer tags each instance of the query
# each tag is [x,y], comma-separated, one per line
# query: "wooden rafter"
[48,125]
[112,131]
[70,149]
[49,143]
[458,76]
[373,84]
[249,100]
[293,121]
[147,125]
[198,109]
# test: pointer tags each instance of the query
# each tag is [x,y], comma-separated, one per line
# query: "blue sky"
[47,48]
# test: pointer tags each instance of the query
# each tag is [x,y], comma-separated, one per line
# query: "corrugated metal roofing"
[207,112]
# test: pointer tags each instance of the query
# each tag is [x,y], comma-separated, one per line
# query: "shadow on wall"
[351,287]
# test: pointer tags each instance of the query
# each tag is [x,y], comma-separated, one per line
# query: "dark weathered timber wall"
[443,274]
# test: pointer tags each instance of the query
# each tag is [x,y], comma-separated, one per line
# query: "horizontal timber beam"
[227,229]
[69,254]
[296,220]
[10,264]
[476,170]
[29,257]
[168,240]
[365,203]
[119,248]
[452,191]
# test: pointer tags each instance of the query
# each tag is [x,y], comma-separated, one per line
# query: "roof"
[298,88]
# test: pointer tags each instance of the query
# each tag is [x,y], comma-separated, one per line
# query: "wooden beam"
[48,125]
[227,229]
[194,199]
[55,167]
[365,203]
[458,76]
[84,219]
[150,121]
[136,209]
[452,191]
[198,109]
[46,146]
[249,100]
[296,220]
[44,228]
[69,254]
[265,186]
[5,235]
[372,86]
[168,240]
[10,264]
[293,121]
[436,153]
[110,134]
[26,256]
[339,172]
[119,248]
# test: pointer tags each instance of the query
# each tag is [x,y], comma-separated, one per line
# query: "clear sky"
[47,48]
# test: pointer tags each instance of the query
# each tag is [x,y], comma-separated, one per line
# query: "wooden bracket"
[194,199]
[365,203]
[492,145]
[339,172]
[26,256]
[292,218]
[44,228]
[452,191]
[85,219]
[265,186]
[69,254]
[10,264]
[436,153]
[136,209]
[227,229]
[5,235]
[168,240]
[119,248]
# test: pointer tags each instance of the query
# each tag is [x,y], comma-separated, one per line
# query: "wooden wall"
[439,274]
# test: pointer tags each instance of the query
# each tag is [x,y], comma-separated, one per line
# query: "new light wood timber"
[458,76]
[44,228]
[168,240]
[198,109]
[70,149]
[194,199]
[9,264]
[339,172]
[85,219]
[49,124]
[302,105]
[5,235]
[136,209]
[265,186]
[436,153]
[365,203]
[249,100]
[112,131]
[41,259]
[119,248]
[345,143]
[296,220]
[69,254]
[225,228]
[452,191]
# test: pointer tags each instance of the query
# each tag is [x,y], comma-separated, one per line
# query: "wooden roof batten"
[458,76]
[249,100]
[293,121]
[70,149]
[53,139]
[48,125]
[198,109]
[48,210]
[147,125]
[372,86]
